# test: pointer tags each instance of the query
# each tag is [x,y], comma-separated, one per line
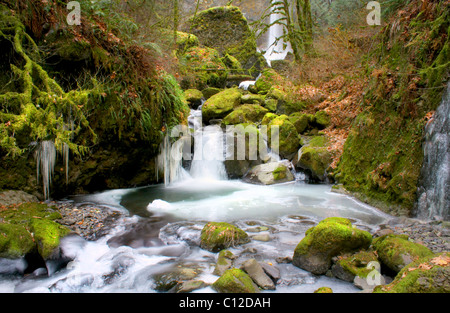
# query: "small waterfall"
[276,50]
[45,164]
[434,184]
[170,161]
[209,156]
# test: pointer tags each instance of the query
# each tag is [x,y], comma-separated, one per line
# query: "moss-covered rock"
[323,290]
[247,113]
[430,274]
[193,97]
[269,117]
[201,67]
[287,142]
[225,261]
[396,251]
[221,104]
[286,102]
[315,158]
[210,91]
[350,265]
[47,235]
[322,119]
[216,236]
[268,79]
[269,174]
[30,227]
[300,121]
[235,281]
[251,98]
[226,29]
[329,238]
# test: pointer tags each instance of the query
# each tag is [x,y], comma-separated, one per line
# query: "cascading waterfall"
[434,184]
[45,164]
[277,48]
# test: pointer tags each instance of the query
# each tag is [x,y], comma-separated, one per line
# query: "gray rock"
[269,174]
[257,274]
[272,271]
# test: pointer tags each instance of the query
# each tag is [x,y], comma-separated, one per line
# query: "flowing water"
[160,230]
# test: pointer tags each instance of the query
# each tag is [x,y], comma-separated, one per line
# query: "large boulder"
[329,238]
[216,236]
[396,251]
[235,281]
[221,104]
[247,113]
[28,228]
[288,139]
[226,30]
[430,274]
[314,158]
[269,174]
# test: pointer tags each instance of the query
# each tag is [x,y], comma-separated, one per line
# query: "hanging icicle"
[45,164]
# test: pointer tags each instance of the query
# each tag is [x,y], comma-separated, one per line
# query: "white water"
[160,231]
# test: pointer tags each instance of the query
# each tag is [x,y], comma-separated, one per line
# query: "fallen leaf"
[441,260]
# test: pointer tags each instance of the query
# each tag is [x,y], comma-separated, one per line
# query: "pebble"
[87,220]
[433,234]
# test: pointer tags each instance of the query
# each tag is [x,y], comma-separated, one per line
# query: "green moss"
[279,173]
[315,157]
[356,264]
[15,241]
[429,274]
[288,139]
[269,78]
[247,113]
[396,251]
[27,227]
[221,104]
[331,237]
[324,290]
[216,236]
[235,281]
[322,119]
[47,235]
[300,121]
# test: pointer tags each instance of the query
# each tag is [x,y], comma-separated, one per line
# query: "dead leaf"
[441,260]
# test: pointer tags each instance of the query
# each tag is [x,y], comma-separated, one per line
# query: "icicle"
[45,164]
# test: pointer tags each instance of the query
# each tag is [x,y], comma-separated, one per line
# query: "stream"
[160,233]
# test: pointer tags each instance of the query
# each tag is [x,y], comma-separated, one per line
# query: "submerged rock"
[216,236]
[269,174]
[395,251]
[329,238]
[235,281]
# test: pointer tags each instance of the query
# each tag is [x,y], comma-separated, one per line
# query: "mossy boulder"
[396,251]
[350,265]
[235,281]
[322,120]
[269,174]
[216,236]
[193,97]
[210,91]
[202,67]
[314,158]
[30,227]
[331,237]
[283,137]
[226,30]
[269,117]
[268,79]
[430,274]
[300,121]
[251,98]
[286,102]
[225,261]
[247,113]
[221,104]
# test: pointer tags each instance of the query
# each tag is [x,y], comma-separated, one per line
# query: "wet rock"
[235,281]
[218,236]
[269,174]
[225,261]
[331,237]
[257,274]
